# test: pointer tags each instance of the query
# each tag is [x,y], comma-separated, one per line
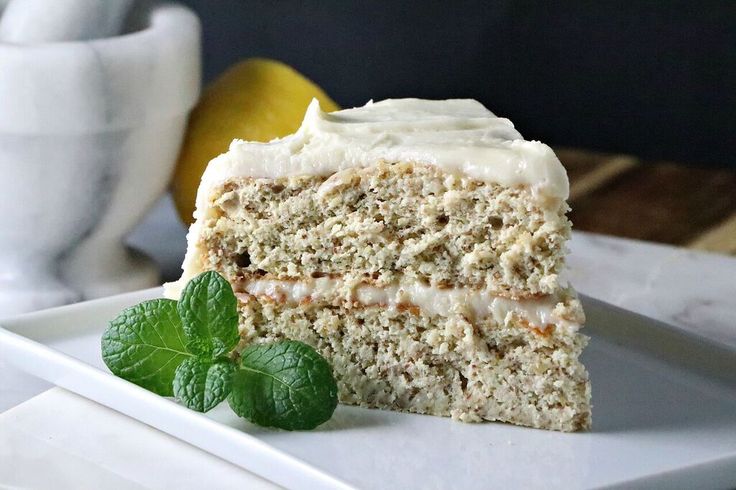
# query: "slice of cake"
[416,245]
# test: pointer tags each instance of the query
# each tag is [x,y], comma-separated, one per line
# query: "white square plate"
[664,415]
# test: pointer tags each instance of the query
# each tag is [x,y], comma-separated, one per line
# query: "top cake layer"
[459,136]
[440,192]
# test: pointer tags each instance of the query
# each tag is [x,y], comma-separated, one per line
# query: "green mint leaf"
[209,315]
[145,344]
[283,384]
[201,384]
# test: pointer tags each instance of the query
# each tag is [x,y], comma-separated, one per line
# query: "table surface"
[684,287]
[664,202]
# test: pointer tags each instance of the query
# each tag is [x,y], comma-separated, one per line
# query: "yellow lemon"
[255,100]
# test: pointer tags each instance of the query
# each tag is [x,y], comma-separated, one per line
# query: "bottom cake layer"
[403,359]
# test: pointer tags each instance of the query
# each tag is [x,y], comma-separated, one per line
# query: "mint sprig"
[184,349]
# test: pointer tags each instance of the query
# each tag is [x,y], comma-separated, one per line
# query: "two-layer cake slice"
[416,245]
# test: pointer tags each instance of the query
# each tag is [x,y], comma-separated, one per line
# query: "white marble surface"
[693,291]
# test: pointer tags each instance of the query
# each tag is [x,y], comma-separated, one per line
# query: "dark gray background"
[657,79]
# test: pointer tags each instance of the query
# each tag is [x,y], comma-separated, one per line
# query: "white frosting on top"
[459,136]
[477,304]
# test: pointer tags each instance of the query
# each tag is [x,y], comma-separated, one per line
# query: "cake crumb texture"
[385,223]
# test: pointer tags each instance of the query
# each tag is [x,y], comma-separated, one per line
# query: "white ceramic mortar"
[89,133]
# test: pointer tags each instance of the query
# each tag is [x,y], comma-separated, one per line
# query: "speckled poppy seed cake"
[416,245]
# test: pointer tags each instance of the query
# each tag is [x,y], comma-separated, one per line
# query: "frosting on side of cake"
[479,304]
[460,136]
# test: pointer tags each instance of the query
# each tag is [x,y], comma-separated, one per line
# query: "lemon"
[255,100]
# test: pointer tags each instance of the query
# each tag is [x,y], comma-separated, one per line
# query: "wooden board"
[657,201]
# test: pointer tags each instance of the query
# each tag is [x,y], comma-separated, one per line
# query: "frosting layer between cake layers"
[478,304]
